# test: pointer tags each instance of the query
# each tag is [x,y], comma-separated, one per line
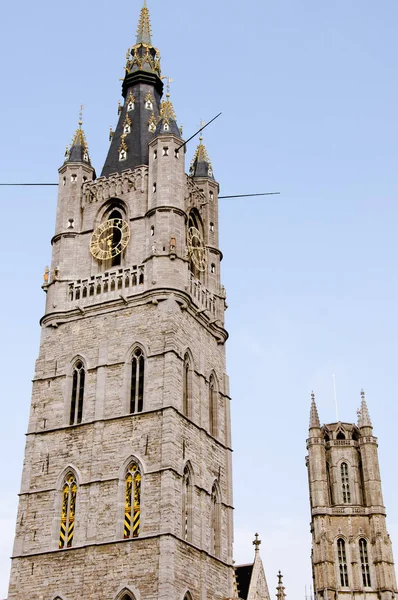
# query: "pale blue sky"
[308,91]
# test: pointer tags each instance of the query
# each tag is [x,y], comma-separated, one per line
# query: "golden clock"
[196,249]
[109,239]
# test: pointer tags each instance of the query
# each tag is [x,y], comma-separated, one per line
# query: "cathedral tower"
[351,549]
[126,488]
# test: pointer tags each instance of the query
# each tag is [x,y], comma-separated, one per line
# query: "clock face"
[109,239]
[197,249]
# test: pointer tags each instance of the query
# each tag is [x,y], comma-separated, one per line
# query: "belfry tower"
[126,489]
[351,549]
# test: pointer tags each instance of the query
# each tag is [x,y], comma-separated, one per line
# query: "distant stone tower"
[126,489]
[351,549]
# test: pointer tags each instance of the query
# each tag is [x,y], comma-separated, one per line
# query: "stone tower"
[351,549]
[126,488]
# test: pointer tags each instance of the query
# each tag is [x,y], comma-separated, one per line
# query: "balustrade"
[107,285]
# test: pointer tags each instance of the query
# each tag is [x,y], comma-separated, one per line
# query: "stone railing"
[202,296]
[107,286]
[115,185]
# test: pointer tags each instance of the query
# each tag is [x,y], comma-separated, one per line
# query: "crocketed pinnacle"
[314,417]
[144,27]
[143,56]
[280,589]
[363,413]
[201,164]
[167,118]
[78,150]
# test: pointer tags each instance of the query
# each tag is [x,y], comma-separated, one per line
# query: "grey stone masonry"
[351,549]
[97,315]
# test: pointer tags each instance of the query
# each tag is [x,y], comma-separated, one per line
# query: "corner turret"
[201,165]
[77,152]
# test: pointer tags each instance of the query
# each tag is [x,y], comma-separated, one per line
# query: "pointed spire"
[78,150]
[143,56]
[142,79]
[363,413]
[201,164]
[144,27]
[280,589]
[314,417]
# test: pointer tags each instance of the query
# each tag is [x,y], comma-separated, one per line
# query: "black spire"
[142,91]
[78,150]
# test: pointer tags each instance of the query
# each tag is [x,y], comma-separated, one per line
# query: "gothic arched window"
[363,553]
[342,558]
[137,381]
[132,509]
[69,492]
[215,523]
[187,386]
[212,407]
[187,505]
[77,396]
[345,483]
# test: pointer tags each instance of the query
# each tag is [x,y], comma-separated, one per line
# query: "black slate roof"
[243,578]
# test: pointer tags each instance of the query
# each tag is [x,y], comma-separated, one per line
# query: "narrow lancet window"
[329,484]
[212,408]
[345,483]
[137,382]
[69,492]
[215,533]
[76,405]
[342,558]
[132,511]
[187,506]
[363,552]
[186,402]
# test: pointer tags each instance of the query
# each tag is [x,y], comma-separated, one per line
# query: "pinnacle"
[201,164]
[363,413]
[314,417]
[280,589]
[144,27]
[78,150]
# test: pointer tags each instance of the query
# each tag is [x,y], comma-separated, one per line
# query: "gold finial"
[202,124]
[81,115]
[169,81]
[256,543]
[46,275]
[110,133]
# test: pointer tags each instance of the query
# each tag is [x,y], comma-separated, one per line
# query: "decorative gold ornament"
[109,239]
[196,249]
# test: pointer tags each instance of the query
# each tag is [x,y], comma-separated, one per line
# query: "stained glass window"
[76,405]
[132,511]
[137,381]
[69,492]
[363,552]
[345,483]
[342,557]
